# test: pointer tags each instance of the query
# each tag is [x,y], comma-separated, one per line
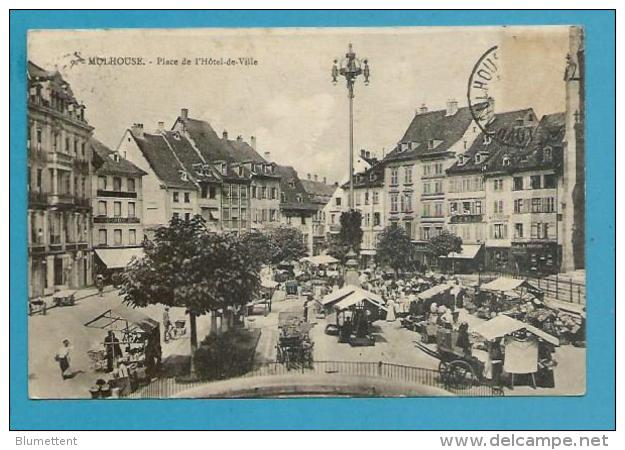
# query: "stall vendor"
[113,350]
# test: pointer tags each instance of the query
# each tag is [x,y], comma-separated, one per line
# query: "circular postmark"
[484,80]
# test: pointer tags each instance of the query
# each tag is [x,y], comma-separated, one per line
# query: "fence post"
[379,368]
[571,289]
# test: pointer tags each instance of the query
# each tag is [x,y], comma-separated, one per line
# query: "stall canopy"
[469,251]
[433,291]
[118,258]
[320,260]
[503,325]
[268,284]
[503,284]
[359,296]
[123,318]
[337,295]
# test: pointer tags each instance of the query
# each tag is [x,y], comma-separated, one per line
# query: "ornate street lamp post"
[350,67]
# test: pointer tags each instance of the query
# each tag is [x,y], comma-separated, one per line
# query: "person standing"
[99,282]
[166,324]
[63,358]
[113,350]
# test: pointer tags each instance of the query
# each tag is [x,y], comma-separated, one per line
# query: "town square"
[332,221]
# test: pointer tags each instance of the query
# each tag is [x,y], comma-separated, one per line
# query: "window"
[408,228]
[177,215]
[39,180]
[438,168]
[303,220]
[505,161]
[498,206]
[366,198]
[518,206]
[426,170]
[132,236]
[426,210]
[425,233]
[131,184]
[498,184]
[117,209]
[187,197]
[82,150]
[548,205]
[102,183]
[453,208]
[376,219]
[394,181]
[282,197]
[500,231]
[426,188]
[438,209]
[337,201]
[408,175]
[478,207]
[550,181]
[394,203]
[518,230]
[547,154]
[535,181]
[187,216]
[274,193]
[67,145]
[102,237]
[263,192]
[212,192]
[357,198]
[176,197]
[517,183]
[536,205]
[117,184]
[101,208]
[438,187]
[376,197]
[253,191]
[203,191]
[131,209]
[117,237]
[478,158]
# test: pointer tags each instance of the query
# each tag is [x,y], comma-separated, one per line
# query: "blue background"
[595,410]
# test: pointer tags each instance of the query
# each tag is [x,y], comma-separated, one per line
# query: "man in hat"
[113,350]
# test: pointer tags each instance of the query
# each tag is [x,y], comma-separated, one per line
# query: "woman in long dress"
[390,315]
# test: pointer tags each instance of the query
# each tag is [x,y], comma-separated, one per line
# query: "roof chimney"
[368,154]
[452,107]
[267,156]
[137,130]
[239,138]
[308,176]
[325,180]
[253,142]
[160,127]
[423,109]
[224,135]
[315,177]
[184,113]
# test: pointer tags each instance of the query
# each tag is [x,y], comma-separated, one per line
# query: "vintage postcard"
[306,212]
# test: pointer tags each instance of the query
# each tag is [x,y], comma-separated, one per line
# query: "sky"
[287,99]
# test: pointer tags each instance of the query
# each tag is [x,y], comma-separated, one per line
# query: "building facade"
[319,193]
[117,209]
[59,185]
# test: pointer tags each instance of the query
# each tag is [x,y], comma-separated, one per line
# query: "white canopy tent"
[468,251]
[503,325]
[117,258]
[349,296]
[320,260]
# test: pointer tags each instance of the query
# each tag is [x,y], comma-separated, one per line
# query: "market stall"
[132,342]
[502,295]
[525,349]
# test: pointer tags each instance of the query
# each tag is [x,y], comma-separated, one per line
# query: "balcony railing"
[61,199]
[37,198]
[105,219]
[466,218]
[119,194]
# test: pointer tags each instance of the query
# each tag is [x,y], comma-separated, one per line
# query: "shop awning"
[433,291]
[504,284]
[503,325]
[469,251]
[117,258]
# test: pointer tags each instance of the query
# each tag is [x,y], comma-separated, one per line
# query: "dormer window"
[461,160]
[115,157]
[478,158]
[372,176]
[414,145]
[505,161]
[519,122]
[487,139]
[224,169]
[282,197]
[547,154]
[184,176]
[403,146]
[176,135]
[240,171]
[430,144]
[299,198]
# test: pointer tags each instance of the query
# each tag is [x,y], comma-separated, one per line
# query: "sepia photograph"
[306,212]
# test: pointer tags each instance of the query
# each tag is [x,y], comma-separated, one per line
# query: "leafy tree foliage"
[349,237]
[444,243]
[394,249]
[260,244]
[187,266]
[288,244]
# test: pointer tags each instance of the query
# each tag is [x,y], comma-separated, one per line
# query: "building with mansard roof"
[59,185]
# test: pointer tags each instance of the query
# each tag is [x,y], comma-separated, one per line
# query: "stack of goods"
[565,326]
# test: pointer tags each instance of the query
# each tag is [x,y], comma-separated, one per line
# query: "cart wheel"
[443,370]
[461,374]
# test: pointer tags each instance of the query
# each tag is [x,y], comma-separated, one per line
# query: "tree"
[349,237]
[395,249]
[444,243]
[288,243]
[186,266]
[260,244]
